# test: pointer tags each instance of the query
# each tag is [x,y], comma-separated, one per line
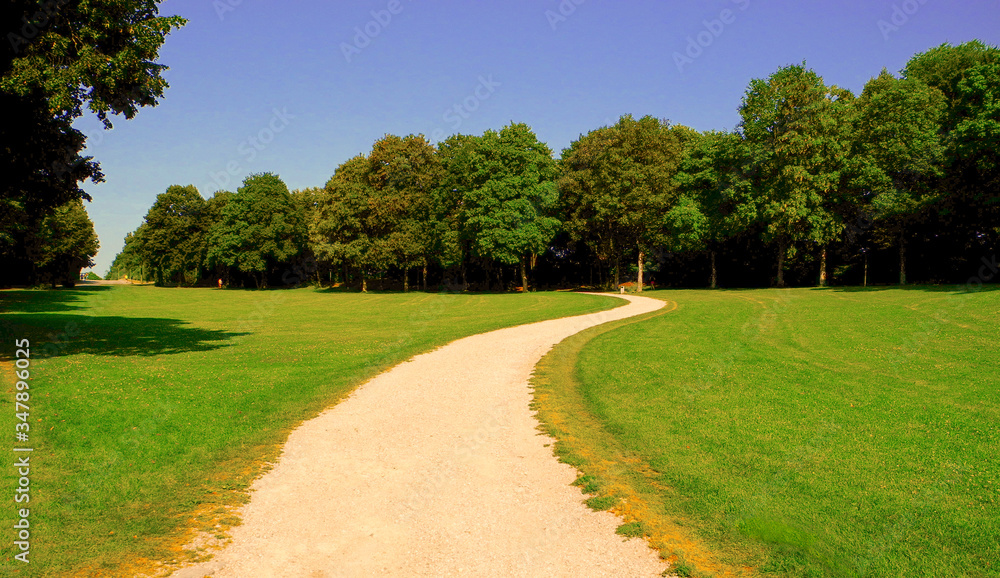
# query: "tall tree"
[56,58]
[261,229]
[174,241]
[617,182]
[966,75]
[792,123]
[337,231]
[716,201]
[899,152]
[403,173]
[66,244]
[508,209]
[448,244]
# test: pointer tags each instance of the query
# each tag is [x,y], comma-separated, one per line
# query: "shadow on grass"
[55,335]
[955,288]
[45,300]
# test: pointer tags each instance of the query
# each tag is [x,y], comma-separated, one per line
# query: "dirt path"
[434,468]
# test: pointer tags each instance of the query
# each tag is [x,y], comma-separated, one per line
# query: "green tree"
[967,77]
[899,152]
[616,185]
[174,243]
[336,229]
[716,201]
[448,244]
[402,173]
[507,209]
[128,262]
[58,57]
[796,129]
[260,230]
[66,244]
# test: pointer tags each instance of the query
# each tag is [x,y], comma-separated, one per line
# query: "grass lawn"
[155,407]
[803,432]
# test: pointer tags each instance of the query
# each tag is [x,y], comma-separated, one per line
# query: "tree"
[67,243]
[336,230]
[57,58]
[448,244]
[402,173]
[967,77]
[174,243]
[260,229]
[508,208]
[899,153]
[716,201]
[795,128]
[617,183]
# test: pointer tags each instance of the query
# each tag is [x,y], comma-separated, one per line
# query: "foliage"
[260,228]
[174,239]
[794,127]
[507,207]
[617,182]
[60,57]
[65,244]
[811,174]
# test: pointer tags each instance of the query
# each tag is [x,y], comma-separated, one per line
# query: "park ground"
[800,432]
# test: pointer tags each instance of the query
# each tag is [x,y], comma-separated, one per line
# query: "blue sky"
[297,88]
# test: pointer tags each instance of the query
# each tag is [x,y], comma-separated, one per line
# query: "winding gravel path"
[434,468]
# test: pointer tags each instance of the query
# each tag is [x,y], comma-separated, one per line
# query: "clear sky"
[298,87]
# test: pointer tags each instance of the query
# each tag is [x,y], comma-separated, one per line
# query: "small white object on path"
[434,468]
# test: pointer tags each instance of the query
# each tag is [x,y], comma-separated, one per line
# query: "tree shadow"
[57,334]
[954,289]
[45,300]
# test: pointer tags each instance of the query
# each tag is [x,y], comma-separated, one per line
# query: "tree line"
[815,185]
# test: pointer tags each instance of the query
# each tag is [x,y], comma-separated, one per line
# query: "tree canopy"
[813,185]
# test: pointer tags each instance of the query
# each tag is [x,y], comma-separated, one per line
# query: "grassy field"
[800,432]
[152,408]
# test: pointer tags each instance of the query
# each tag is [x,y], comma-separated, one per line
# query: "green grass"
[156,407]
[795,432]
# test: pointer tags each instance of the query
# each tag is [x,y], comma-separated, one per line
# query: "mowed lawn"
[156,406]
[802,432]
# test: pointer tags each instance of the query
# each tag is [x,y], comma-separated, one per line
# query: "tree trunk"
[617,278]
[642,257]
[714,274]
[423,281]
[822,267]
[406,279]
[864,282]
[524,276]
[902,260]
[364,282]
[782,249]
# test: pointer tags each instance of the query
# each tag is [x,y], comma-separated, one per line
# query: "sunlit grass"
[798,433]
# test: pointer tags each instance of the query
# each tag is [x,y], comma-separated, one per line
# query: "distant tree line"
[816,185]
